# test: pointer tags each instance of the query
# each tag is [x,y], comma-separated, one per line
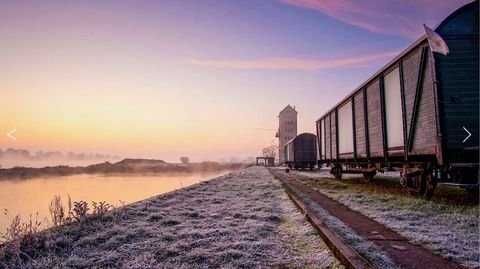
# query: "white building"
[287,128]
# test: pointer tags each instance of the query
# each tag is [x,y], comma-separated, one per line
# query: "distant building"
[287,128]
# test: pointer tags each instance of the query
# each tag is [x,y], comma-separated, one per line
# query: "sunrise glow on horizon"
[164,79]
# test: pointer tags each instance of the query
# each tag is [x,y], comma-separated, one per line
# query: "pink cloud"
[394,17]
[293,63]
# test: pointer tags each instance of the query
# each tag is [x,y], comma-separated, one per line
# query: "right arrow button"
[469,134]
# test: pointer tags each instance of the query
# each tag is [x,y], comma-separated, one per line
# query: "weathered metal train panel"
[301,151]
[458,73]
[304,146]
[374,119]
[360,125]
[345,129]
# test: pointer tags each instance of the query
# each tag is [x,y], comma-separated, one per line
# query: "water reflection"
[26,197]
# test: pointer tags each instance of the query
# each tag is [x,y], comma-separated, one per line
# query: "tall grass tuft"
[20,242]
[19,229]
[57,211]
[17,237]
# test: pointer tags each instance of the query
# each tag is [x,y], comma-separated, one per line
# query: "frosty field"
[451,230]
[240,220]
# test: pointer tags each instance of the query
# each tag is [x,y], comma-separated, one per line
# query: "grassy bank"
[240,220]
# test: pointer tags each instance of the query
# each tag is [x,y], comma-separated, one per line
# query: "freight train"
[419,114]
[301,151]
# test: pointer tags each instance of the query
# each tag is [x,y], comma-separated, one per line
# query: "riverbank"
[240,220]
[124,167]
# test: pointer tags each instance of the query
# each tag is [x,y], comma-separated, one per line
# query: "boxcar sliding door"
[323,143]
[345,131]
[393,110]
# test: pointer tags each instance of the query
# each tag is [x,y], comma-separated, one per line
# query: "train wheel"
[429,182]
[367,177]
[418,184]
[337,169]
[473,191]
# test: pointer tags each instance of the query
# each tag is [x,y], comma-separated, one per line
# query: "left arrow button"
[10,134]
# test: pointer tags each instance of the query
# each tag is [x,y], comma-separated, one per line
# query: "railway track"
[399,249]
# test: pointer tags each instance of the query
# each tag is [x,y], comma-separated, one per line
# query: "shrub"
[80,210]
[99,209]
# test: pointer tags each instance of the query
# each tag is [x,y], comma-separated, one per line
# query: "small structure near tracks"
[267,161]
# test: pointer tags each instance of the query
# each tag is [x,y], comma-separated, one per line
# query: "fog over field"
[11,157]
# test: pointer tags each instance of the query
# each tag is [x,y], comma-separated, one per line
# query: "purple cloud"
[293,63]
[394,17]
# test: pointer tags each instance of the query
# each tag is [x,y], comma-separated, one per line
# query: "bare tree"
[270,151]
[184,159]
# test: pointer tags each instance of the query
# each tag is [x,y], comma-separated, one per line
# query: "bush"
[101,208]
[184,159]
[80,210]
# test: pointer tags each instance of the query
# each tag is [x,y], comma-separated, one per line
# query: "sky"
[170,78]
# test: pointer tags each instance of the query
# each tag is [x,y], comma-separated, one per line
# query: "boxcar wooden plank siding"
[425,134]
[411,65]
[333,135]
[425,131]
[374,119]
[328,130]
[323,138]
[410,114]
[319,142]
[360,124]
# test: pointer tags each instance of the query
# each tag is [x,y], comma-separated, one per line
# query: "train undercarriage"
[419,177]
[301,165]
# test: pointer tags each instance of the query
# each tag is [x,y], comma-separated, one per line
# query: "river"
[30,196]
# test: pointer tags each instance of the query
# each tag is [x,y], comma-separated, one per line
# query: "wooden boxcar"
[412,115]
[301,151]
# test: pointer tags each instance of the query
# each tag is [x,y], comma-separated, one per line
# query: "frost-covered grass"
[372,253]
[240,220]
[451,230]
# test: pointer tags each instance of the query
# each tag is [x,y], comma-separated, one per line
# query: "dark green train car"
[301,151]
[414,115]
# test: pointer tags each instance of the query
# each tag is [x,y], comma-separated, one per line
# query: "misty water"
[30,196]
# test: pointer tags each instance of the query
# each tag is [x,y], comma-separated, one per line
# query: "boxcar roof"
[398,57]
[302,134]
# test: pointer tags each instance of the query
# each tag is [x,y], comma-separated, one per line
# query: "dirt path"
[402,252]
